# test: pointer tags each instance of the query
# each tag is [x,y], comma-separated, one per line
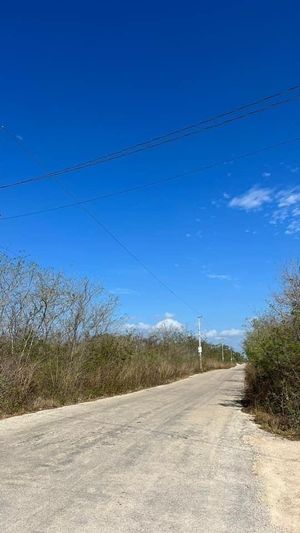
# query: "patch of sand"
[278,469]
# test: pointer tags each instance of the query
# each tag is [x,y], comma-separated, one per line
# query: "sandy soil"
[277,466]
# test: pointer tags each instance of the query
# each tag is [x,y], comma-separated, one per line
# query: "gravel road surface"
[176,458]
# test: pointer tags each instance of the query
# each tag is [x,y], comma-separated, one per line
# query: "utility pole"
[231,355]
[222,352]
[200,344]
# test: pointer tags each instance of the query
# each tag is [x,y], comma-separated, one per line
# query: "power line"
[127,250]
[116,239]
[128,151]
[136,258]
[163,139]
[153,183]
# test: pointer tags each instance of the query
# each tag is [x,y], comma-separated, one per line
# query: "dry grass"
[270,410]
[273,424]
[213,364]
[55,380]
[60,343]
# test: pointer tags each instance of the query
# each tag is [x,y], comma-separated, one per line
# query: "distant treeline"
[273,349]
[62,342]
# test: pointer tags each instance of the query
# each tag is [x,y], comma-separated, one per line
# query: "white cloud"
[288,210]
[285,208]
[266,174]
[169,315]
[254,198]
[288,198]
[225,333]
[166,324]
[293,227]
[123,291]
[211,333]
[169,323]
[139,326]
[232,332]
[279,215]
[223,277]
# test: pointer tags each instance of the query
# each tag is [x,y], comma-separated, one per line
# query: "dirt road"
[177,458]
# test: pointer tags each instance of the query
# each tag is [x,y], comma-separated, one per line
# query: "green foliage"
[60,343]
[273,350]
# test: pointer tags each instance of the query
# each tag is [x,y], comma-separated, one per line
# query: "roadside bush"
[273,350]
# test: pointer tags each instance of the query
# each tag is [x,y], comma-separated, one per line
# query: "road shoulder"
[277,465]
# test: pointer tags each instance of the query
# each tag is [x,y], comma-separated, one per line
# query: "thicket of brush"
[60,343]
[273,349]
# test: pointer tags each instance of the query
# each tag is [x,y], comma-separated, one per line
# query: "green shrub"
[273,350]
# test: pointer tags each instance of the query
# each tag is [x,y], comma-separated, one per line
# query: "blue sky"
[81,81]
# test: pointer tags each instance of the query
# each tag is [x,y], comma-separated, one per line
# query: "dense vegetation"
[273,349]
[60,342]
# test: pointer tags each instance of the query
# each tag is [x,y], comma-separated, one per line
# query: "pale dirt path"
[175,458]
[277,466]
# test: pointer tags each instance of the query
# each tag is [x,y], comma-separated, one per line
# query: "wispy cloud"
[254,198]
[124,291]
[223,277]
[293,227]
[288,197]
[137,326]
[232,332]
[292,168]
[224,333]
[283,205]
[251,231]
[211,334]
